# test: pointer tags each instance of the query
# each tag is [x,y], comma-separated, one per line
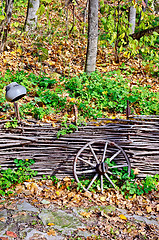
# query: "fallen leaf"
[50,224]
[19,188]
[57,193]
[148,209]
[51,232]
[71,194]
[53,124]
[33,188]
[87,194]
[2,219]
[103,199]
[136,171]
[122,217]
[66,179]
[86,214]
[132,198]
[3,238]
[11,234]
[139,212]
[157,207]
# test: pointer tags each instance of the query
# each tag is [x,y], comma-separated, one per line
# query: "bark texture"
[92,36]
[132,18]
[31,19]
[146,32]
[5,24]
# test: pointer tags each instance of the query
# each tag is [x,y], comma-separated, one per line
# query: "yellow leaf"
[122,217]
[105,92]
[149,209]
[19,50]
[103,199]
[51,232]
[86,214]
[13,53]
[157,207]
[51,224]
[131,199]
[53,124]
[58,193]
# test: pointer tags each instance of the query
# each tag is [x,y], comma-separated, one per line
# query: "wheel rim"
[97,161]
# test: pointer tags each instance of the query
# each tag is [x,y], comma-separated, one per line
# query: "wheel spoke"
[86,171]
[93,153]
[116,154]
[113,174]
[89,163]
[92,181]
[101,181]
[119,166]
[105,148]
[109,180]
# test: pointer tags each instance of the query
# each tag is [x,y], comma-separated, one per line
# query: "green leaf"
[2,17]
[41,10]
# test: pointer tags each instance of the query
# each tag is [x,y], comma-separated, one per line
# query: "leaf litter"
[108,215]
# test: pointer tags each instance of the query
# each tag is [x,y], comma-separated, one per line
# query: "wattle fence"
[138,136]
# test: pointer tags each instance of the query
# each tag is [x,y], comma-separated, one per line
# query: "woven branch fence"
[139,137]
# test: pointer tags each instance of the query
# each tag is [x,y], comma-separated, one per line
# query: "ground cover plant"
[12,177]
[95,95]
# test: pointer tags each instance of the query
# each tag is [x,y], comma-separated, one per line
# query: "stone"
[25,206]
[63,221]
[33,234]
[45,201]
[3,216]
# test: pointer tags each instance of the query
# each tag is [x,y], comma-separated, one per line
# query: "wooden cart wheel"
[100,160]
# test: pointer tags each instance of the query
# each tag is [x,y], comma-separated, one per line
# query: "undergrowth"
[95,95]
[128,186]
[10,177]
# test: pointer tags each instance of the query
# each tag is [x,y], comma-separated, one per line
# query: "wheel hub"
[102,168]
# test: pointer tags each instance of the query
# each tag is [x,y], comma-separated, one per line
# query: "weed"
[10,177]
[11,124]
[128,185]
[34,223]
[66,129]
[131,187]
[54,179]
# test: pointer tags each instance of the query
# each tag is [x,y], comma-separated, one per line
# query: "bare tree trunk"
[117,33]
[92,36]
[67,3]
[85,15]
[31,18]
[132,18]
[5,25]
[66,13]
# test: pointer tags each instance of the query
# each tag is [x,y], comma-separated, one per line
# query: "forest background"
[49,59]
